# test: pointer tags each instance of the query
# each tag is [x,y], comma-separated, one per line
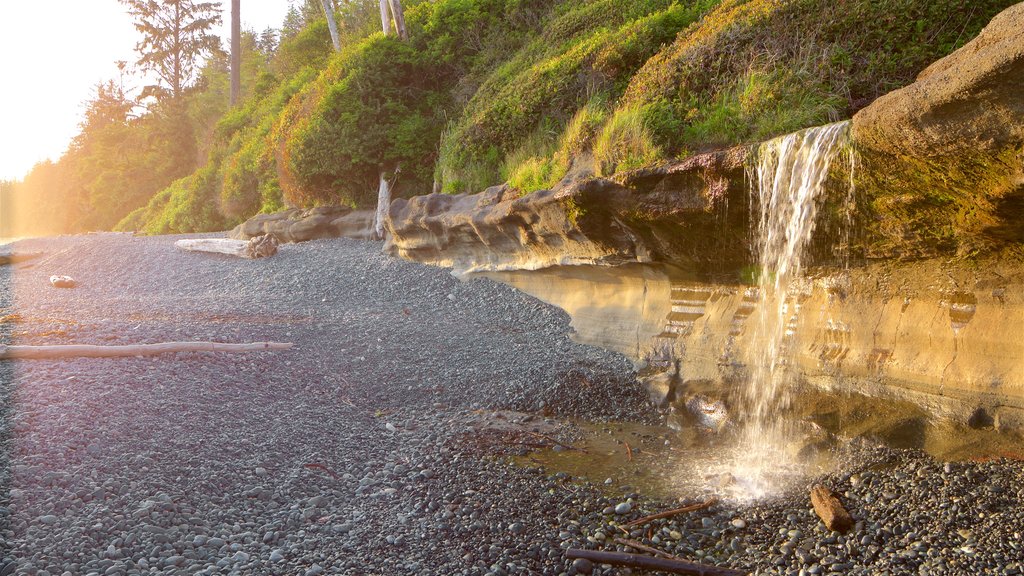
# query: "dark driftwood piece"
[89,351]
[670,513]
[556,442]
[830,510]
[674,566]
[643,547]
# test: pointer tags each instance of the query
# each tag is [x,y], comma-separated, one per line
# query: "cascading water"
[786,183]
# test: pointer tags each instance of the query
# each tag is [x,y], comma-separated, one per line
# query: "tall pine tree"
[175,34]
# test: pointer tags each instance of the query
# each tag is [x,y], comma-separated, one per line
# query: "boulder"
[295,225]
[943,158]
[680,212]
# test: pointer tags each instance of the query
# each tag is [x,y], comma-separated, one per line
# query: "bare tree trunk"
[331,24]
[399,17]
[383,201]
[385,19]
[236,51]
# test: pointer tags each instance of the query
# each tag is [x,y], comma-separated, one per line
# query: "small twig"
[663,564]
[629,452]
[669,513]
[550,439]
[316,466]
[643,547]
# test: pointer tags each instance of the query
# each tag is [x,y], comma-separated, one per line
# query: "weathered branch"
[642,547]
[16,257]
[90,351]
[556,442]
[674,566]
[670,513]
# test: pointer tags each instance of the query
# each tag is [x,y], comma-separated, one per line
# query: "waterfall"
[786,184]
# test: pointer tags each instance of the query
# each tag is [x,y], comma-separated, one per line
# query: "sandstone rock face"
[943,158]
[301,225]
[498,230]
[933,334]
[683,212]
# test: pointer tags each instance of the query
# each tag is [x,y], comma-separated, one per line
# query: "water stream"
[787,182]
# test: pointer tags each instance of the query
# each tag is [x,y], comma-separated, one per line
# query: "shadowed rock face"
[683,212]
[943,158]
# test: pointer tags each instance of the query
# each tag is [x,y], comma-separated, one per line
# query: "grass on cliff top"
[750,70]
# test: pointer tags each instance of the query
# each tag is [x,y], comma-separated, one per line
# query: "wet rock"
[830,510]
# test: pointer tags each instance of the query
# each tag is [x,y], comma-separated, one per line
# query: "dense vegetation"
[484,91]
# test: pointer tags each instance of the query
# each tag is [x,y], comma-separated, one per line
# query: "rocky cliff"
[931,307]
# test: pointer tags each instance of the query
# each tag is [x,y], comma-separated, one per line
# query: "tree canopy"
[175,34]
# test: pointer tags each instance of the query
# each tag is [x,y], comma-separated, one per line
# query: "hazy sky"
[53,53]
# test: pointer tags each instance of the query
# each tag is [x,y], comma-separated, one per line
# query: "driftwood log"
[256,247]
[89,351]
[673,565]
[830,510]
[7,259]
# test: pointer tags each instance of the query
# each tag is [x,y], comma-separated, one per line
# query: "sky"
[53,53]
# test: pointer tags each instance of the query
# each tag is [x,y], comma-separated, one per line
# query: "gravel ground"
[349,453]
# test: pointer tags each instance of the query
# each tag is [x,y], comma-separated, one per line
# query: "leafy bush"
[188,205]
[755,69]
[374,109]
[626,142]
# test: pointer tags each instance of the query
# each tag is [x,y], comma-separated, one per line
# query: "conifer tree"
[175,34]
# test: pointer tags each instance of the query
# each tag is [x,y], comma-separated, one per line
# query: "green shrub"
[579,134]
[249,179]
[530,167]
[375,108]
[187,205]
[754,69]
[626,142]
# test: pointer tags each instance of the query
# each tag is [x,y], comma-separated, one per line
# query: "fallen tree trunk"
[651,563]
[257,247]
[7,259]
[90,351]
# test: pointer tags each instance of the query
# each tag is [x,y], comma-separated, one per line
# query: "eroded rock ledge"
[681,212]
[295,225]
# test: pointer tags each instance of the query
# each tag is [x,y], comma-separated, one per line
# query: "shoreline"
[372,447]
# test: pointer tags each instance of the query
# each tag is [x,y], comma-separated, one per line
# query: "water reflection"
[687,338]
